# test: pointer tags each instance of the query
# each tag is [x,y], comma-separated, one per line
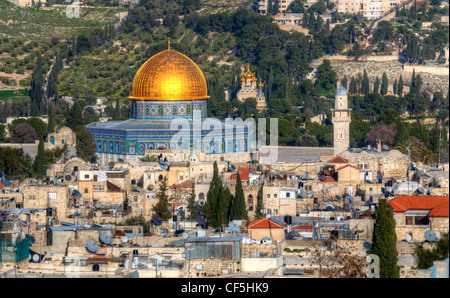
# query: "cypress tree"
[259,212]
[162,208]
[384,242]
[211,208]
[413,82]
[344,82]
[353,88]
[394,88]
[384,84]
[376,86]
[400,87]
[418,84]
[365,87]
[193,207]
[40,163]
[37,89]
[224,206]
[51,119]
[238,210]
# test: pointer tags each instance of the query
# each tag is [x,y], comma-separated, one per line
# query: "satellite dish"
[430,236]
[201,202]
[91,246]
[385,147]
[111,164]
[185,235]
[68,178]
[408,238]
[106,239]
[124,239]
[36,258]
[367,245]
[338,197]
[156,220]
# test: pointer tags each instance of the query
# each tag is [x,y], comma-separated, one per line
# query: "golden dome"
[169,75]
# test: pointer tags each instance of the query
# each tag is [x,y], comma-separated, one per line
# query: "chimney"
[379,145]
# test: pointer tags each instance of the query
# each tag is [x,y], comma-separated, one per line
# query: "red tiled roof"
[246,169]
[348,166]
[329,179]
[185,184]
[244,176]
[1,185]
[303,228]
[265,223]
[438,205]
[338,159]
[440,210]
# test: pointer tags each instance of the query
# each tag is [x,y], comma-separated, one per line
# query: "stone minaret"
[341,121]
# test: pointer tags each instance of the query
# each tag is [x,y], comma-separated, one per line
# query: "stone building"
[47,196]
[341,121]
[390,163]
[266,227]
[64,136]
[262,6]
[170,87]
[371,9]
[414,215]
[250,89]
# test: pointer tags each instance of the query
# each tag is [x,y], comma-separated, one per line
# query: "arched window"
[250,200]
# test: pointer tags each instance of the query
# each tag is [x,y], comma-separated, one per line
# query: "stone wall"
[260,264]
[210,267]
[435,70]
[439,224]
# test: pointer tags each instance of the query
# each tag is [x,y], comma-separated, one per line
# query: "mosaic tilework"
[168,110]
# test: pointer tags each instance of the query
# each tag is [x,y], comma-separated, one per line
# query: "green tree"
[40,163]
[192,206]
[238,210]
[365,87]
[400,87]
[85,145]
[327,77]
[384,242]
[376,85]
[259,212]
[162,208]
[51,119]
[384,84]
[74,116]
[37,90]
[211,209]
